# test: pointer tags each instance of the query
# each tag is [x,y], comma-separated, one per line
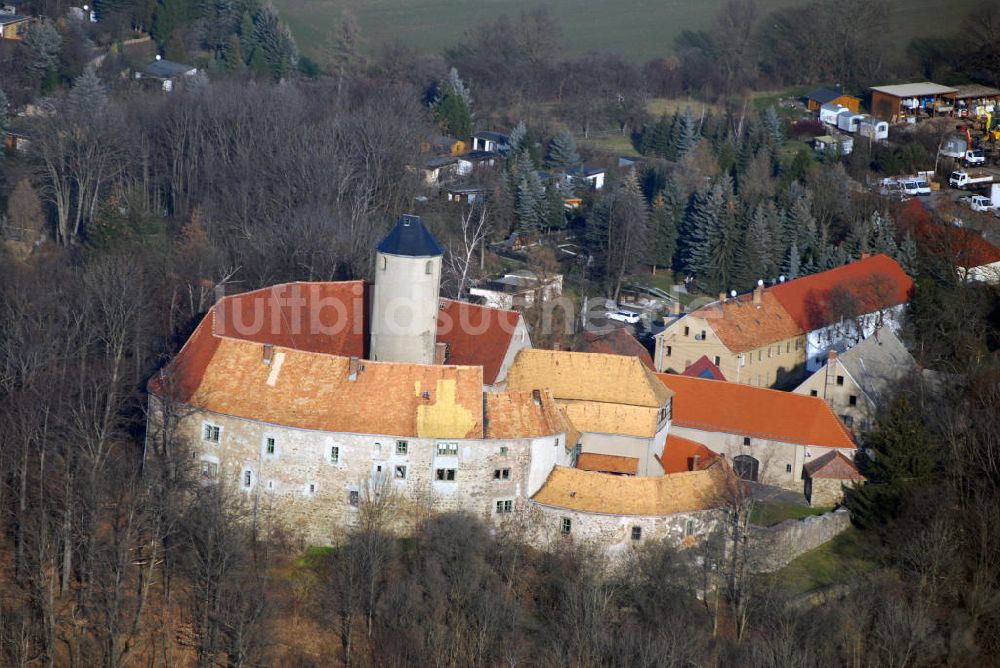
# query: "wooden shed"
[817,98]
[896,103]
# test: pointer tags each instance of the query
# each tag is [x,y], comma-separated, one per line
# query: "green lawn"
[639,29]
[841,559]
[767,514]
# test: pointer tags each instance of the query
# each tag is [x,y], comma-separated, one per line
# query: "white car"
[623,316]
[980,203]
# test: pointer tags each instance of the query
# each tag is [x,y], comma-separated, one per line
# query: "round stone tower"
[407,287]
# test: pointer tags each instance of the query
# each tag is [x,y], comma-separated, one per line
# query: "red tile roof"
[864,286]
[325,317]
[679,453]
[834,466]
[703,368]
[589,461]
[476,335]
[966,248]
[713,405]
[618,341]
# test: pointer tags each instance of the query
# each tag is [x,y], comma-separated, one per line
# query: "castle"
[304,395]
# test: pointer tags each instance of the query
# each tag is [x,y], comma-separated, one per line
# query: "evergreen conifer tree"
[562,151]
[517,137]
[774,128]
[453,107]
[688,133]
[908,255]
[3,109]
[793,262]
[526,207]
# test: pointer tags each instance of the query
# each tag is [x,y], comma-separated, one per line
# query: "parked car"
[980,203]
[623,316]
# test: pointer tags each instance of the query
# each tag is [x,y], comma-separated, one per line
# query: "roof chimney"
[865,255]
[353,367]
[831,356]
[268,353]
[695,461]
[677,308]
[722,296]
[758,293]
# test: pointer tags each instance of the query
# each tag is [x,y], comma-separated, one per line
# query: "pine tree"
[664,223]
[43,44]
[908,255]
[688,134]
[517,137]
[526,207]
[656,138]
[562,151]
[714,252]
[773,127]
[453,107]
[758,244]
[555,204]
[803,226]
[793,262]
[3,109]
[88,98]
[884,235]
[904,459]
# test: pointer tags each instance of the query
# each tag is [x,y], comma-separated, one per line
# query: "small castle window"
[689,528]
[669,350]
[853,400]
[383,263]
[788,468]
[401,447]
[840,380]
[400,473]
[449,448]
[429,268]
[247,478]
[636,533]
[209,470]
[813,393]
[310,489]
[354,498]
[746,440]
[211,432]
[565,525]
[445,475]
[269,445]
[505,506]
[504,449]
[501,474]
[334,453]
[718,360]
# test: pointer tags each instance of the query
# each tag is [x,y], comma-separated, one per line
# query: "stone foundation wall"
[775,547]
[613,533]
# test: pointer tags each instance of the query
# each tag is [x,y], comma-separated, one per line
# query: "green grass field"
[635,28]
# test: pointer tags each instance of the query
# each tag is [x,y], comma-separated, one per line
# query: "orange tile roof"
[521,415]
[476,335]
[313,390]
[614,379]
[617,341]
[588,491]
[742,325]
[589,461]
[713,405]
[833,466]
[679,453]
[864,286]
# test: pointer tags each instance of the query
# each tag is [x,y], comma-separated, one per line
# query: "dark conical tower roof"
[409,237]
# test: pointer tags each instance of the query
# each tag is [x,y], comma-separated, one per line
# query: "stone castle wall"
[310,493]
[777,546]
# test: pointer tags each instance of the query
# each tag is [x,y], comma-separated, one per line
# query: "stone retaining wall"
[777,546]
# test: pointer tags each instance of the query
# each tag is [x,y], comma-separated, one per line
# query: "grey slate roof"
[165,69]
[878,364]
[410,238]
